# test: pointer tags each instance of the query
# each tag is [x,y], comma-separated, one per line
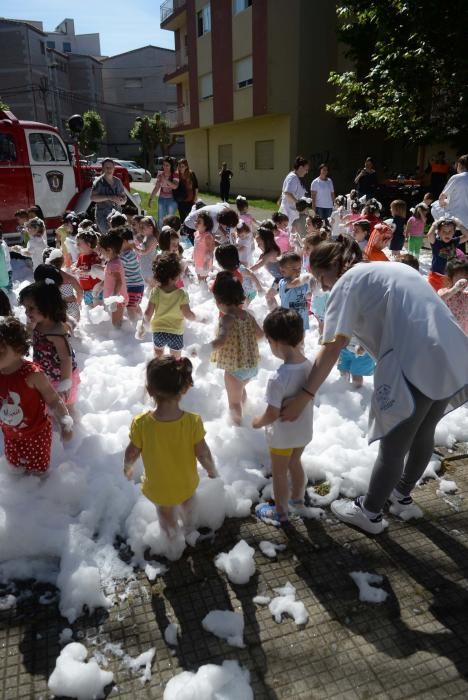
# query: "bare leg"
[345,375]
[167,516]
[296,473]
[357,380]
[134,313]
[186,509]
[158,352]
[175,353]
[234,389]
[117,316]
[279,470]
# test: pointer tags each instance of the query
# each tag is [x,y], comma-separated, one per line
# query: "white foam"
[227,625]
[238,564]
[367,584]
[286,604]
[211,682]
[76,678]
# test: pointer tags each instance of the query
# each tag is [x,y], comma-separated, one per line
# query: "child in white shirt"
[284,331]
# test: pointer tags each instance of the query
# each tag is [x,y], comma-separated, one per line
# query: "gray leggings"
[414,440]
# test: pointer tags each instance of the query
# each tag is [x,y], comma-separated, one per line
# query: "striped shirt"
[132,270]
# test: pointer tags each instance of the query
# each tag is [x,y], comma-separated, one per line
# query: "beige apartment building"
[252,85]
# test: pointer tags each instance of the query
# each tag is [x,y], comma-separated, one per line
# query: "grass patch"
[268,204]
[322,489]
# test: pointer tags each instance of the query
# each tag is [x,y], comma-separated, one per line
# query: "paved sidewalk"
[415,645]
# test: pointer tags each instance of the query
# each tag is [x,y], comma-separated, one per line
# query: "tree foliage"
[153,133]
[409,75]
[4,106]
[93,132]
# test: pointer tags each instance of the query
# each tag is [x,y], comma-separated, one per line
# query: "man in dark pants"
[225,182]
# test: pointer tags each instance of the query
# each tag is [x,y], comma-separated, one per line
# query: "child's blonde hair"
[398,207]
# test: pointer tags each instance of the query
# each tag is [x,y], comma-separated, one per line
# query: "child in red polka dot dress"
[24,393]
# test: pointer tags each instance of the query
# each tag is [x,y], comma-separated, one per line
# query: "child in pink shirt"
[110,245]
[456,294]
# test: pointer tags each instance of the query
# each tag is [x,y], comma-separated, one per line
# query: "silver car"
[135,172]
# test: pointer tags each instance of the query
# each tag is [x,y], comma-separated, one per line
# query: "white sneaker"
[405,508]
[350,512]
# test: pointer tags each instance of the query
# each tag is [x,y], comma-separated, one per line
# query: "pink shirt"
[415,227]
[458,305]
[282,240]
[114,265]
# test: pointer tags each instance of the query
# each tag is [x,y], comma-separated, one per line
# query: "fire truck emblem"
[55,180]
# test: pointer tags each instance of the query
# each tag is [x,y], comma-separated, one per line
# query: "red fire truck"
[36,168]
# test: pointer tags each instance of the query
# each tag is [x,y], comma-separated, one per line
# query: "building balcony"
[173,14]
[177,75]
[178,118]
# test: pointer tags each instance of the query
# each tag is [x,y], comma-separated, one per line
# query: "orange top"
[379,239]
[376,255]
[440,168]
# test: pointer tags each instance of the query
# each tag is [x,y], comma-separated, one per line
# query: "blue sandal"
[269,515]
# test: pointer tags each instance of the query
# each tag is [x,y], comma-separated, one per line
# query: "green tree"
[3,105]
[409,75]
[93,132]
[152,132]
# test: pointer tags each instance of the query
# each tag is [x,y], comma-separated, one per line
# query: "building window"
[225,154]
[46,147]
[66,47]
[243,72]
[7,148]
[241,5]
[42,48]
[204,20]
[50,44]
[264,155]
[206,86]
[133,82]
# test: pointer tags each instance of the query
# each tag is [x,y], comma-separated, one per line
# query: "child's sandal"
[269,515]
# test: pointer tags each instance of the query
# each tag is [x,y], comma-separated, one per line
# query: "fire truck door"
[52,173]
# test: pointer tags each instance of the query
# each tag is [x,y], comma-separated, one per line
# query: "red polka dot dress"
[26,427]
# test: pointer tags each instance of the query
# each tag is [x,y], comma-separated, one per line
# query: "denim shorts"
[170,340]
[244,373]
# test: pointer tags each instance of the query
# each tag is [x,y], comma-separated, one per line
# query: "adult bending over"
[108,193]
[404,325]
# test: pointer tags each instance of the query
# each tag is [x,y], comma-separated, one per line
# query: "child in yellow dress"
[170,442]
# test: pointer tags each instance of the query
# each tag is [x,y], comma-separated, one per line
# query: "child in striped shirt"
[133,277]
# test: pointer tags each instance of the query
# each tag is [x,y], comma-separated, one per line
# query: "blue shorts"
[89,299]
[359,365]
[244,374]
[170,340]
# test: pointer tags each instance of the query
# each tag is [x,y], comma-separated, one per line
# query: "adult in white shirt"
[322,193]
[293,189]
[417,345]
[454,197]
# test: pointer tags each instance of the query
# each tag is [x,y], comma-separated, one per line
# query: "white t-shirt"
[456,190]
[323,190]
[402,322]
[291,185]
[287,381]
[212,209]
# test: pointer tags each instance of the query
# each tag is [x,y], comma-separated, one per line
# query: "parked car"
[135,172]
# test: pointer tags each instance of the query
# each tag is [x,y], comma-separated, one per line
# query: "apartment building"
[46,83]
[134,86]
[252,85]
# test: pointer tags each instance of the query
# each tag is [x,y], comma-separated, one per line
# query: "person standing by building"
[167,180]
[108,193]
[225,176]
[188,187]
[322,193]
[293,189]
[439,169]
[366,179]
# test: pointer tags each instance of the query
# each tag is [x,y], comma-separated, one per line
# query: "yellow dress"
[240,350]
[168,453]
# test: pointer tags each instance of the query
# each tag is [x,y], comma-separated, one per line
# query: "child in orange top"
[379,239]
